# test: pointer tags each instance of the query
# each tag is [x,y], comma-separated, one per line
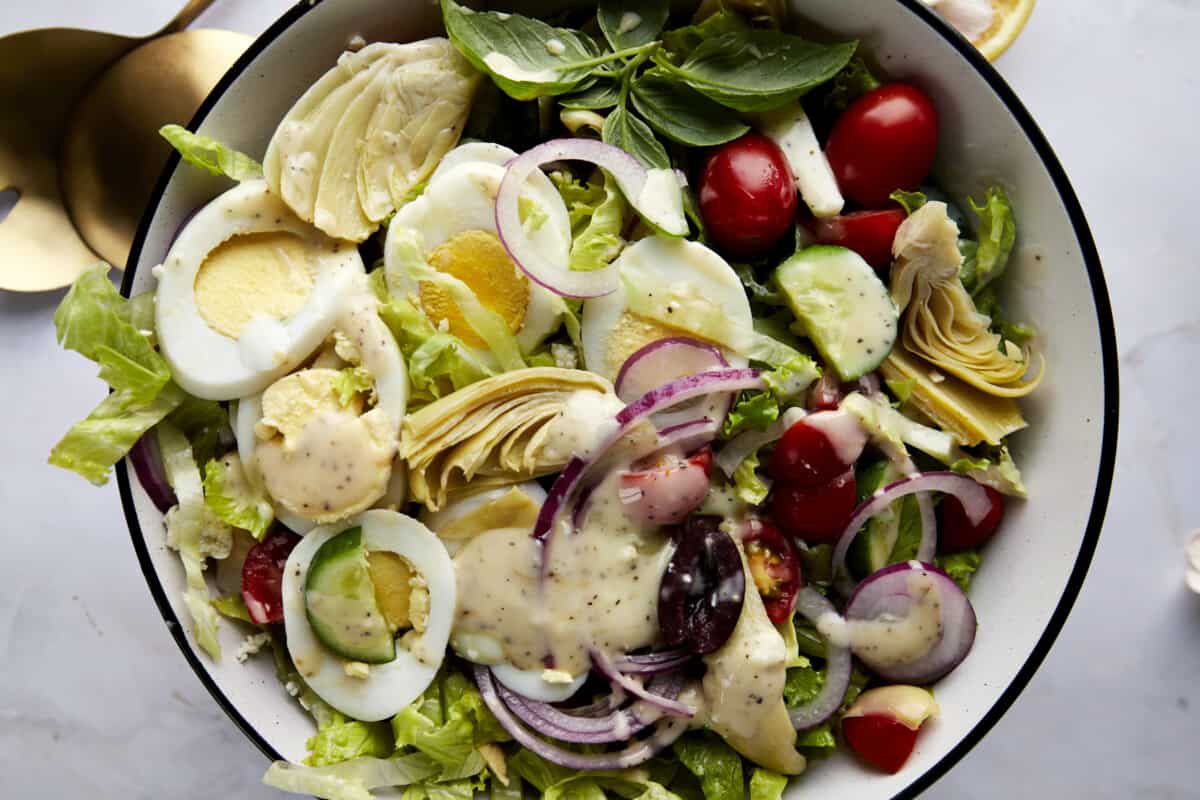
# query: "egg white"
[531,683]
[392,686]
[387,368]
[213,366]
[461,197]
[672,262]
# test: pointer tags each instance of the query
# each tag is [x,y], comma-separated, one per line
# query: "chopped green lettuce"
[959,566]
[753,411]
[598,213]
[714,762]
[994,467]
[901,388]
[203,422]
[531,214]
[350,780]
[195,532]
[448,724]
[757,291]
[748,484]
[537,771]
[438,362]
[988,304]
[997,234]
[351,381]
[210,155]
[233,607]
[344,739]
[232,498]
[787,380]
[766,784]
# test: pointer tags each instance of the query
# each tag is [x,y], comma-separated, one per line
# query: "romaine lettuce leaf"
[787,380]
[749,486]
[352,381]
[997,234]
[210,155]
[766,785]
[960,566]
[714,762]
[194,532]
[204,423]
[342,740]
[350,780]
[753,411]
[233,499]
[598,213]
[448,724]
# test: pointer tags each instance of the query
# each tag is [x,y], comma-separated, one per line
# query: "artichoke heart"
[500,430]
[355,145]
[940,322]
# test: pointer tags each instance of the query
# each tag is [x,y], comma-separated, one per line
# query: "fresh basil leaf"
[682,41]
[525,57]
[630,23]
[622,129]
[600,95]
[855,80]
[756,70]
[682,114]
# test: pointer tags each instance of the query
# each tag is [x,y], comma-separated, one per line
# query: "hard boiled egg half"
[451,231]
[247,292]
[414,588]
[322,440]
[660,271]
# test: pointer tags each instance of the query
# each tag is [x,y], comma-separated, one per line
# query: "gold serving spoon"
[79,146]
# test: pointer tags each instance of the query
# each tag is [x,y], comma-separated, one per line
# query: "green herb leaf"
[852,82]
[682,114]
[525,57]
[622,129]
[758,70]
[600,95]
[682,41]
[630,23]
[910,201]
[210,155]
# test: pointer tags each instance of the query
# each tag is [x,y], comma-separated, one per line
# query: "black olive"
[700,598]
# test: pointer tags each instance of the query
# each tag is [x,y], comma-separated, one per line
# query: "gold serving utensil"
[79,146]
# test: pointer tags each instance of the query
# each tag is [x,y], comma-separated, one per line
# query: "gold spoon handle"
[186,16]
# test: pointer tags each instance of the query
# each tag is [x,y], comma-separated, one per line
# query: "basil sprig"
[680,84]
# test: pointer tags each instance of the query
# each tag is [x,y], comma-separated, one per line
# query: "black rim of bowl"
[1108,348]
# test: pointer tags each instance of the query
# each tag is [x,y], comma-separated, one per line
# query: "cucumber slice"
[339,599]
[843,307]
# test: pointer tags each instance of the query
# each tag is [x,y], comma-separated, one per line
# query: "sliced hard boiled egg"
[322,450]
[247,292]
[451,230]
[545,685]
[612,332]
[381,690]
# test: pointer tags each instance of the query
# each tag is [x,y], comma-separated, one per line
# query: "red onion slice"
[665,733]
[650,663]
[820,612]
[668,706]
[569,481]
[886,599]
[973,497]
[665,360]
[148,466]
[655,194]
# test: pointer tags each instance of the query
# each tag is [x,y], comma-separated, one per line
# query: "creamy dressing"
[629,21]
[843,431]
[584,420]
[907,632]
[555,47]
[601,589]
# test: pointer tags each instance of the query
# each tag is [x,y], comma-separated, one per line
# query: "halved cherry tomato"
[747,196]
[262,576]
[957,533]
[816,515]
[868,233]
[665,492]
[884,141]
[805,457]
[880,740]
[775,568]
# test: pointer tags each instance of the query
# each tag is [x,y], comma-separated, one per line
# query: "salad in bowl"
[613,405]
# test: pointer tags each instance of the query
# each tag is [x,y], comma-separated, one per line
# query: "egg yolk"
[478,259]
[631,333]
[267,274]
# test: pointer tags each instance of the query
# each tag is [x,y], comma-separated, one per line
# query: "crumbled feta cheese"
[251,645]
[357,670]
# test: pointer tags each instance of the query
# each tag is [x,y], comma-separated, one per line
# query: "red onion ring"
[638,184]
[650,663]
[972,496]
[147,465]
[838,664]
[665,733]
[617,678]
[653,364]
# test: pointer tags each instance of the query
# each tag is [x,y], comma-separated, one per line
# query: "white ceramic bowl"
[1031,573]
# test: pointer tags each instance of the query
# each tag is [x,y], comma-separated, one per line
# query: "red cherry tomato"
[884,141]
[262,576]
[957,533]
[868,233]
[747,196]
[805,457]
[815,515]
[665,492]
[880,740]
[775,567]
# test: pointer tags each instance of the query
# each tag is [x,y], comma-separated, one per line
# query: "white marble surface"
[96,701]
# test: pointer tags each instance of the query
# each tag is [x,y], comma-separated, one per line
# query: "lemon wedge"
[1008,21]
